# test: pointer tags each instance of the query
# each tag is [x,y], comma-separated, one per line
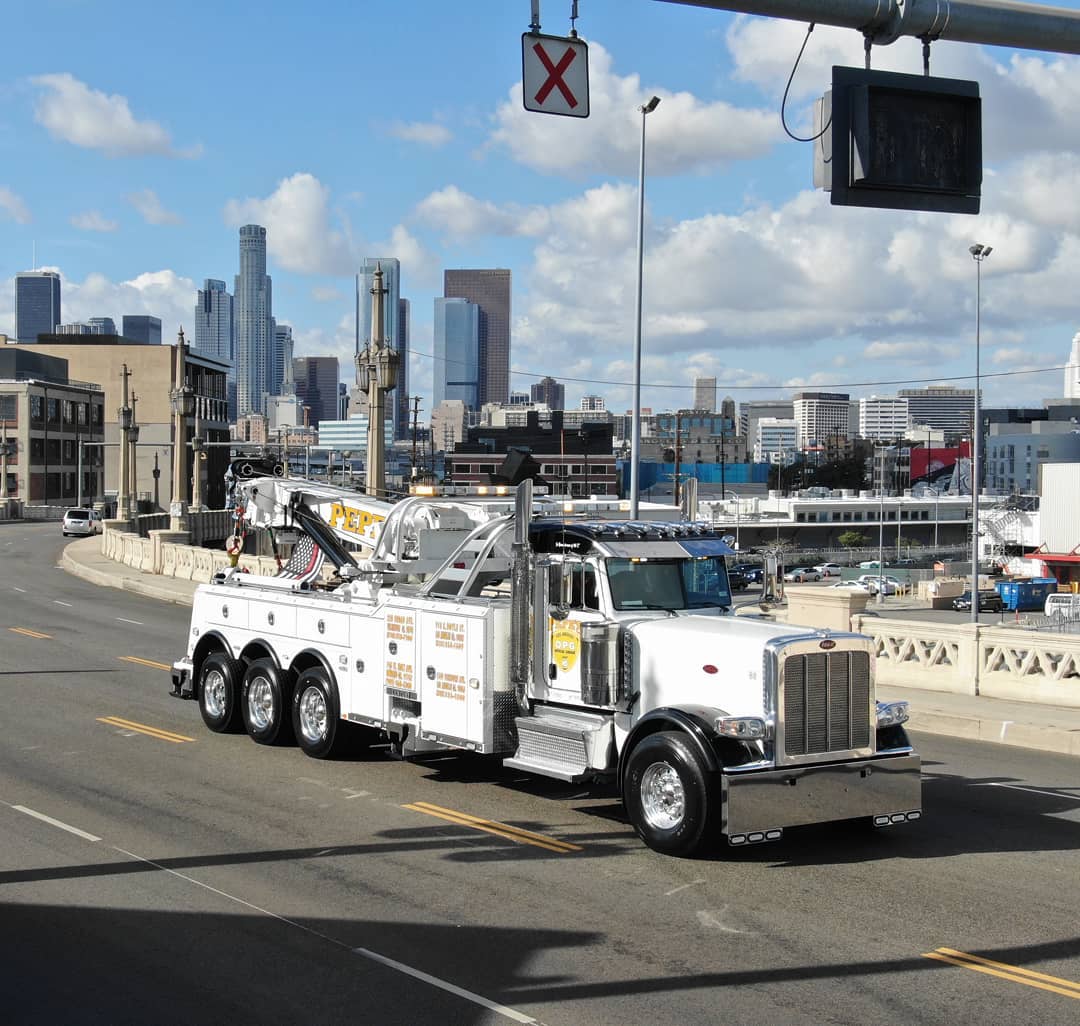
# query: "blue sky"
[136,138]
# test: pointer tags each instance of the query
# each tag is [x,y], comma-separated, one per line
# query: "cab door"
[580,600]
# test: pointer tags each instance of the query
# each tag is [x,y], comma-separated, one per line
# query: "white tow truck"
[579,648]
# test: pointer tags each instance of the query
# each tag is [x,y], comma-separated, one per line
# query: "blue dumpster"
[1026,594]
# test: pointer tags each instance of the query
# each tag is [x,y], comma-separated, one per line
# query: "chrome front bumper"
[182,679]
[798,795]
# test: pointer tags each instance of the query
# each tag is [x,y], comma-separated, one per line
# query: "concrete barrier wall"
[968,659]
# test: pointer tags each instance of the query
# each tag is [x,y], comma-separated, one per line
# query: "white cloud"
[458,215]
[73,112]
[93,221]
[686,135]
[327,294]
[299,233]
[153,211]
[427,133]
[163,294]
[13,207]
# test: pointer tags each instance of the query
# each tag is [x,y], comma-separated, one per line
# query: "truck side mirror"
[558,581]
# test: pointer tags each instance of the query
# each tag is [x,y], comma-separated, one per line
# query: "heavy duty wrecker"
[580,648]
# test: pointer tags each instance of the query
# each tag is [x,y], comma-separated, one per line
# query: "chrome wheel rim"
[313,718]
[213,690]
[260,703]
[663,797]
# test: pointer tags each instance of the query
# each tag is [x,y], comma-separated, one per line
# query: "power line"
[776,386]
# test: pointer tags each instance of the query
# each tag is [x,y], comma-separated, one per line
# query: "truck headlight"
[743,728]
[892,714]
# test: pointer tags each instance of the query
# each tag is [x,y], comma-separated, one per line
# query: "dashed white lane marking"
[59,603]
[711,920]
[1031,790]
[692,883]
[21,591]
[373,956]
[123,619]
[56,823]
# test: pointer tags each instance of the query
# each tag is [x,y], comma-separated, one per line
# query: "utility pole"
[415,400]
[125,416]
[133,439]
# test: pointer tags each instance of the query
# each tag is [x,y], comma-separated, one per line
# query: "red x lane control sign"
[555,74]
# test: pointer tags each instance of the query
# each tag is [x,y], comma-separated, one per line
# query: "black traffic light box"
[906,142]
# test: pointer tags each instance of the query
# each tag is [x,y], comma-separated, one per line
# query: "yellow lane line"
[29,633]
[1004,971]
[144,662]
[142,728]
[511,833]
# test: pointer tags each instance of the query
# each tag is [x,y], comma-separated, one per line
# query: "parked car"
[750,571]
[869,564]
[802,574]
[850,585]
[81,521]
[1062,602]
[737,580]
[828,569]
[876,582]
[989,601]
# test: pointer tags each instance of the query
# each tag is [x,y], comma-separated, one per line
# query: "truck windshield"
[669,583]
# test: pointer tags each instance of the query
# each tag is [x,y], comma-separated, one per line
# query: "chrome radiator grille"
[826,698]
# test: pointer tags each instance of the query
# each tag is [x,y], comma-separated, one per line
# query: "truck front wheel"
[264,701]
[666,794]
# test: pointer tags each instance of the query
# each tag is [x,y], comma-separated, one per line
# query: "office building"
[75,328]
[727,409]
[1072,370]
[102,326]
[402,407]
[280,378]
[315,379]
[152,371]
[549,392]
[820,416]
[776,440]
[55,424]
[883,418]
[143,329]
[215,331]
[254,321]
[753,410]
[490,290]
[457,369]
[941,406]
[705,394]
[593,403]
[37,304]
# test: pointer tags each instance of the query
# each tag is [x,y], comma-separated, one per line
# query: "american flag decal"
[305,562]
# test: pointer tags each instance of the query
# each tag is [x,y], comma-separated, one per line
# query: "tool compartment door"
[455,680]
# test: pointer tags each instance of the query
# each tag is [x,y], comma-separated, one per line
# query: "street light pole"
[979,253]
[635,427]
[881,529]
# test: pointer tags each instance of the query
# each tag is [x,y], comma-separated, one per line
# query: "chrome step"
[563,744]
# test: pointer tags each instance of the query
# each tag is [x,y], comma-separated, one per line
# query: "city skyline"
[128,188]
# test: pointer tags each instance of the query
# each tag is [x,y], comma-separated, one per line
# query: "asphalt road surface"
[153,872]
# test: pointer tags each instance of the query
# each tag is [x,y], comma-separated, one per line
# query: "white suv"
[81,521]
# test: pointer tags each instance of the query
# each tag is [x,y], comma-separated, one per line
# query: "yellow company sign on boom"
[353,520]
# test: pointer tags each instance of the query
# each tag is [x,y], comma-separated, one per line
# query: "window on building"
[37,449]
[53,411]
[8,408]
[37,408]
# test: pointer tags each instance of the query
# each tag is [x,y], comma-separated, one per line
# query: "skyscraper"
[140,328]
[457,353]
[489,289]
[395,330]
[37,304]
[215,331]
[281,365]
[315,379]
[550,392]
[705,394]
[254,321]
